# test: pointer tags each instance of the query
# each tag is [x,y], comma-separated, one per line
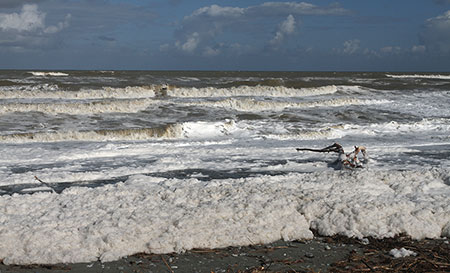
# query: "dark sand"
[322,254]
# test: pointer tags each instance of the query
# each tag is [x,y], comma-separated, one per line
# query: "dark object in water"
[351,160]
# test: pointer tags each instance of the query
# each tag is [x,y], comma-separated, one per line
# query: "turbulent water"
[162,161]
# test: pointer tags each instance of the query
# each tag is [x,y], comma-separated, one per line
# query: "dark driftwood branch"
[45,184]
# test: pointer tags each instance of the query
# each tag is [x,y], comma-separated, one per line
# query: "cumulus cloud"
[191,44]
[16,3]
[27,28]
[211,52]
[418,49]
[351,46]
[391,49]
[287,27]
[199,30]
[436,34]
[302,8]
[28,19]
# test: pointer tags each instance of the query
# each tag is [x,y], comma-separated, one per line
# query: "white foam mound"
[402,252]
[265,91]
[419,76]
[156,215]
[202,129]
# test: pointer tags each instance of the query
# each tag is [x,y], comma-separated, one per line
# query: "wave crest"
[265,91]
[82,108]
[47,91]
[166,131]
[47,74]
[247,104]
[420,76]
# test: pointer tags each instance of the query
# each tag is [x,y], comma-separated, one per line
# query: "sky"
[315,35]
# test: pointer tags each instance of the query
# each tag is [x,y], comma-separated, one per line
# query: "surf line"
[356,159]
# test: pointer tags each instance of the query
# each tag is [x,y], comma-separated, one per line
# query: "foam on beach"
[156,215]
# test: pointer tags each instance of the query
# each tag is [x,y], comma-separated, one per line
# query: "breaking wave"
[47,74]
[420,76]
[167,131]
[265,91]
[196,130]
[82,108]
[249,104]
[53,92]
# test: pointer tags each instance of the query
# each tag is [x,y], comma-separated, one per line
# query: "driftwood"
[45,184]
[356,159]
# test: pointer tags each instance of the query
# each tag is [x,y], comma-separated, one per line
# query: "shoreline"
[321,254]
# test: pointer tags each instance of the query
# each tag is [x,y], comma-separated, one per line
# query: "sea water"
[105,164]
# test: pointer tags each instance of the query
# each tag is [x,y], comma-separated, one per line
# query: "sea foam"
[157,215]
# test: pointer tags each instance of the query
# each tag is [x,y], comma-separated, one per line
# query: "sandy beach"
[322,254]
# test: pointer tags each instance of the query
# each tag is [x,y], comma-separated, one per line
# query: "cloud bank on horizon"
[231,35]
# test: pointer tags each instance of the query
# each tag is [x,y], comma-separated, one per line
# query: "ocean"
[98,165]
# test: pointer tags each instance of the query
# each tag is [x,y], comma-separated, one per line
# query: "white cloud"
[60,26]
[351,46]
[285,28]
[26,29]
[418,48]
[217,11]
[436,34]
[210,22]
[28,19]
[211,52]
[302,8]
[391,49]
[191,44]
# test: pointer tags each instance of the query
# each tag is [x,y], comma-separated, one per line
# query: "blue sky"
[382,35]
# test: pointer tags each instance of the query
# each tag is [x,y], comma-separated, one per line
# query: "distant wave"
[266,91]
[418,76]
[249,104]
[80,108]
[47,74]
[53,91]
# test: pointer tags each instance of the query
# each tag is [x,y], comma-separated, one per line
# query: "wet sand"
[322,254]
